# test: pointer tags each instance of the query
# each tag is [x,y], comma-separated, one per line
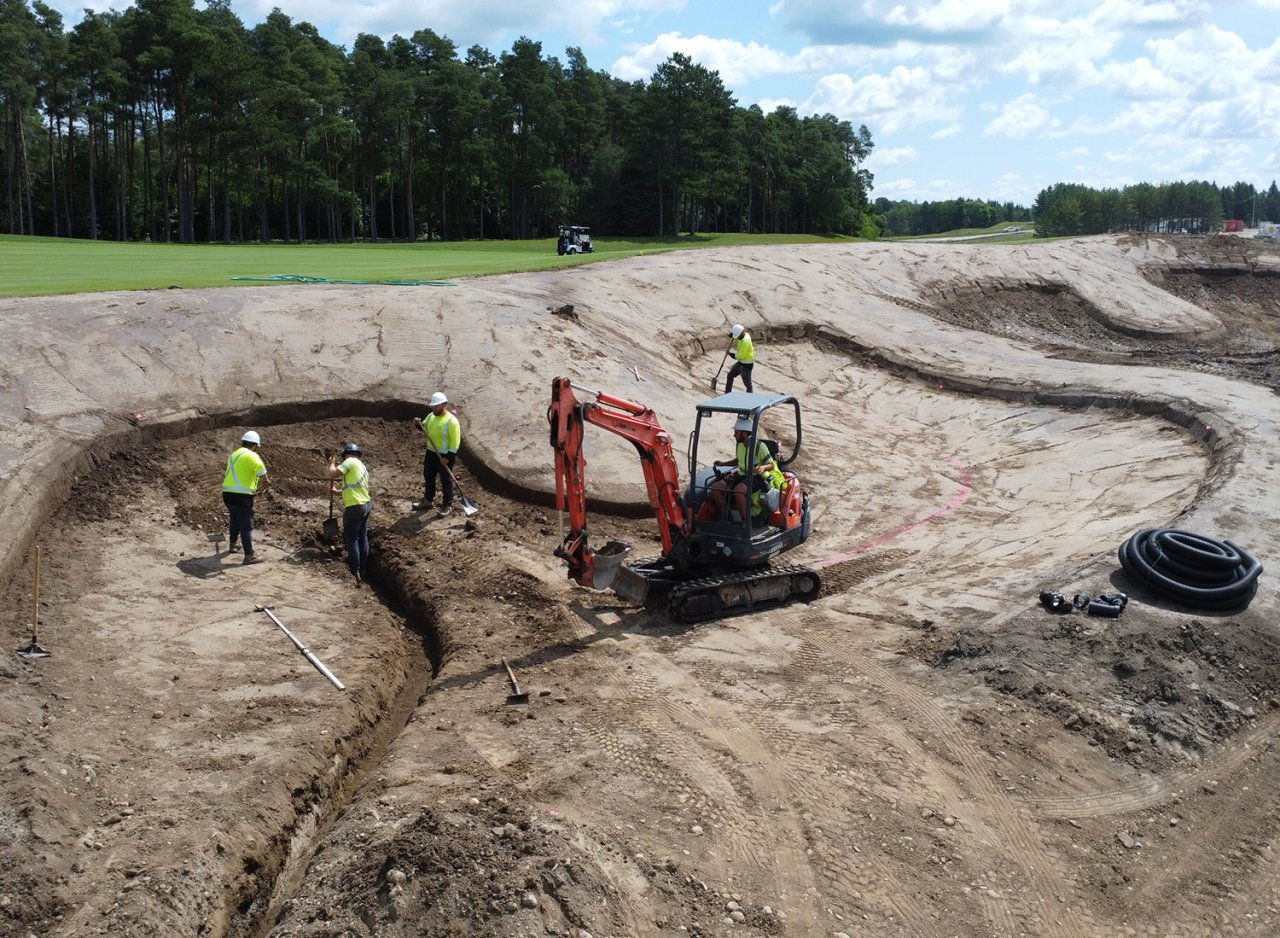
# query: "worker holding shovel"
[246,474]
[744,353]
[352,475]
[443,438]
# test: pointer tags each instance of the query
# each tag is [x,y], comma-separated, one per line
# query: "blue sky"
[991,99]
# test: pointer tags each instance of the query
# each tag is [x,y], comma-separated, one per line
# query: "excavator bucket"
[608,570]
[631,586]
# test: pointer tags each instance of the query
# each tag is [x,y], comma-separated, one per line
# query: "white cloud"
[883,22]
[906,97]
[883,159]
[736,62]
[1019,118]
[1075,153]
[946,133]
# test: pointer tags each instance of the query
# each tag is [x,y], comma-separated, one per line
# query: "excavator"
[715,561]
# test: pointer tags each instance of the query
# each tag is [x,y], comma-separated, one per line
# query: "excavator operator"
[768,477]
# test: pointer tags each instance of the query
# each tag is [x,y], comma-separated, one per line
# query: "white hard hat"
[743,423]
[737,330]
[438,398]
[251,437]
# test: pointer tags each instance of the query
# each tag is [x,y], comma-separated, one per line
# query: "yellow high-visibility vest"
[355,482]
[244,469]
[745,349]
[444,433]
[774,477]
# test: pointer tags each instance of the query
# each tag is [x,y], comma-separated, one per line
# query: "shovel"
[716,379]
[330,531]
[469,507]
[517,696]
[36,650]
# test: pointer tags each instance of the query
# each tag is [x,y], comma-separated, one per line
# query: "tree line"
[169,123]
[1178,207]
[901,218]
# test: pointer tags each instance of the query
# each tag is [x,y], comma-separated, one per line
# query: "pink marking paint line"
[956,501]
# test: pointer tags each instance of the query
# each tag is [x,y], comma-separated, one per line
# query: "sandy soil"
[924,751]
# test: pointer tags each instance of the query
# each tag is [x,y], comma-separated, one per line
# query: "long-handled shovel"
[517,696]
[469,507]
[329,532]
[35,649]
[716,379]
[330,529]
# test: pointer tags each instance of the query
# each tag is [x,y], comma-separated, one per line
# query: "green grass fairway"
[45,266]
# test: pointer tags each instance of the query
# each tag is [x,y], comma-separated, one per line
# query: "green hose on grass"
[306,278]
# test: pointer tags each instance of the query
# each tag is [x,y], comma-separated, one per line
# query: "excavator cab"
[777,516]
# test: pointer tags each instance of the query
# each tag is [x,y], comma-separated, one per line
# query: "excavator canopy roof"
[743,402]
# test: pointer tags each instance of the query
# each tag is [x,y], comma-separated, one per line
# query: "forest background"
[166,123]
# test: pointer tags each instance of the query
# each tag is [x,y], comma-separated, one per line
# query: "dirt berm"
[923,751]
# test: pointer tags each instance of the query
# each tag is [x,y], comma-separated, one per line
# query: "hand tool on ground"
[716,379]
[35,649]
[306,652]
[329,532]
[517,696]
[469,507]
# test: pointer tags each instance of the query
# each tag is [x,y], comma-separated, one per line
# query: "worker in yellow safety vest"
[744,355]
[766,476]
[443,437]
[351,478]
[246,475]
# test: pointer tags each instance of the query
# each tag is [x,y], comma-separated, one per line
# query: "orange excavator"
[715,560]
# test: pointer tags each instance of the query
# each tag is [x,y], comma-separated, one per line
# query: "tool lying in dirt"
[517,696]
[35,649]
[469,507]
[306,652]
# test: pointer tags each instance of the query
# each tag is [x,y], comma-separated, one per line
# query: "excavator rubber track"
[729,594]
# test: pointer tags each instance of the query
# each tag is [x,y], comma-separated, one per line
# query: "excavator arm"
[568,416]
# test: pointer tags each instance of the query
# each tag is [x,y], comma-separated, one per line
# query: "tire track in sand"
[1000,817]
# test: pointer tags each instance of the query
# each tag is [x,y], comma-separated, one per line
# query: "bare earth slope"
[924,751]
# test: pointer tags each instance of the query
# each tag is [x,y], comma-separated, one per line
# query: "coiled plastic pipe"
[1196,570]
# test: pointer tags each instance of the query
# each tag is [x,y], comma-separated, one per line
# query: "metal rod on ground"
[306,652]
[35,649]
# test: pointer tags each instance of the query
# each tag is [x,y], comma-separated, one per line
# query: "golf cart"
[573,239]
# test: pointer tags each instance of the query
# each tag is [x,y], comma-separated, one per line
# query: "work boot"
[251,558]
[233,548]
[445,509]
[422,505]
[356,574]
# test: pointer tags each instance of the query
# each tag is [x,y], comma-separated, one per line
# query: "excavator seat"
[778,518]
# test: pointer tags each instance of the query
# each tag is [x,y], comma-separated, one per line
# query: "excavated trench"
[275,869]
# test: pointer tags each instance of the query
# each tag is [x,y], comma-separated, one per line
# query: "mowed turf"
[45,266]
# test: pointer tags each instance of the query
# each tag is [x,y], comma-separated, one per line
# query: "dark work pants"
[240,507]
[355,531]
[739,369]
[431,469]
